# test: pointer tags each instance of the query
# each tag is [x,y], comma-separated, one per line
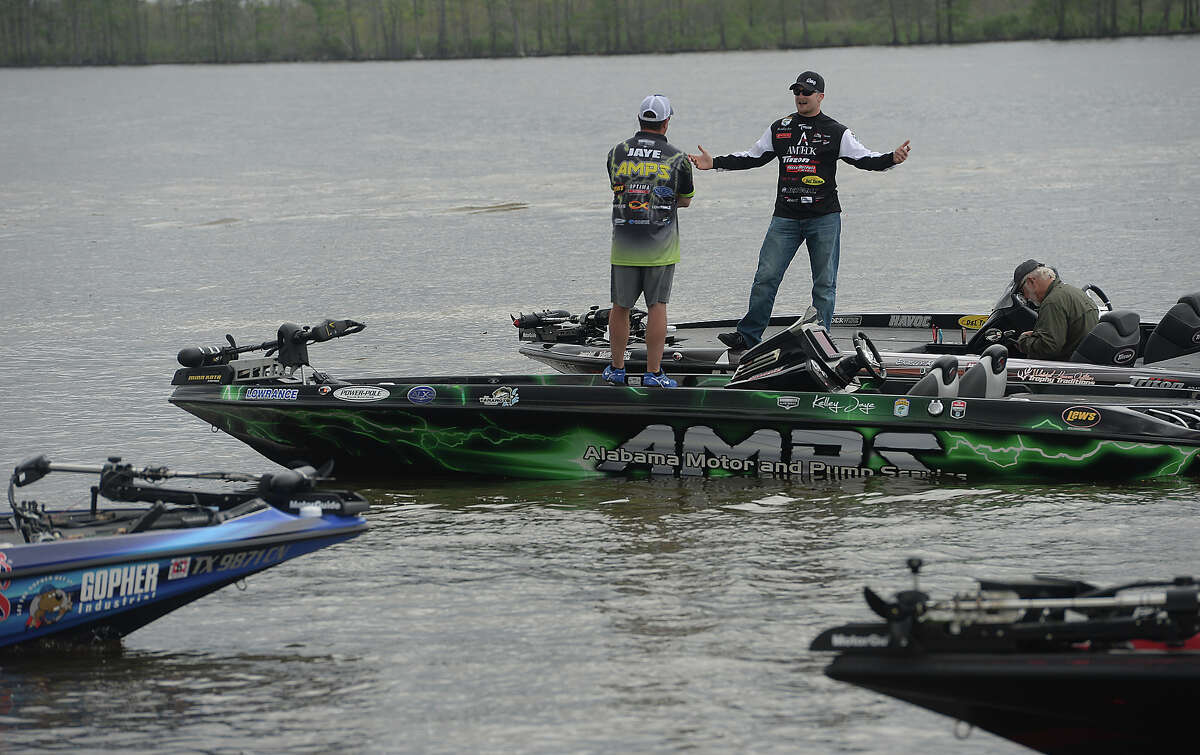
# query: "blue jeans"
[784,237]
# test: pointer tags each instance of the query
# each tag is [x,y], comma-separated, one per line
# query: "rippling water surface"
[143,210]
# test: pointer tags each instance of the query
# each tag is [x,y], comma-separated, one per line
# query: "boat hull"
[1063,703]
[568,427]
[100,589]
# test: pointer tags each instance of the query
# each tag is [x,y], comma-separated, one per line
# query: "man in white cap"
[650,180]
[808,145]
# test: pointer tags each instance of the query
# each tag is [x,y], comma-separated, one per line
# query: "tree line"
[133,32]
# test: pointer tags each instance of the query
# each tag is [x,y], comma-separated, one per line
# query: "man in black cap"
[1065,313]
[808,145]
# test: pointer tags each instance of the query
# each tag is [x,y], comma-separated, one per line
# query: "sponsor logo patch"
[179,567]
[935,408]
[812,180]
[1081,416]
[503,396]
[421,394]
[910,321]
[361,393]
[787,402]
[958,409]
[271,394]
[1125,356]
[900,408]
[972,322]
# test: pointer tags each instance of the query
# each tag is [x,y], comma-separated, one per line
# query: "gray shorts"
[628,282]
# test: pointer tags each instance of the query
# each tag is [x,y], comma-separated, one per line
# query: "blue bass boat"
[96,573]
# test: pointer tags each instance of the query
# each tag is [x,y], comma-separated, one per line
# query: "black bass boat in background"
[796,407]
[93,574]
[1060,666]
[1123,351]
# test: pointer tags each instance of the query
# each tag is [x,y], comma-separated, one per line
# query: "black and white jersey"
[808,150]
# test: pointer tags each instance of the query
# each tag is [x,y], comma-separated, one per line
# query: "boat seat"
[1178,333]
[1114,341]
[941,380]
[988,377]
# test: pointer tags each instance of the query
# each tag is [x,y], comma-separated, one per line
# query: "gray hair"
[1041,273]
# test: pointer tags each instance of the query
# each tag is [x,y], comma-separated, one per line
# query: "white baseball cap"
[656,108]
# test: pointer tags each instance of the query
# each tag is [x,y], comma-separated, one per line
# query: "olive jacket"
[1065,316]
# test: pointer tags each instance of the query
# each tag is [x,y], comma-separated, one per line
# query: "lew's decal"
[1081,416]
[361,393]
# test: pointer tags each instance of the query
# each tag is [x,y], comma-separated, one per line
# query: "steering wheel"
[868,356]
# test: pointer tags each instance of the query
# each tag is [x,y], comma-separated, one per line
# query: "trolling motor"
[291,343]
[560,326]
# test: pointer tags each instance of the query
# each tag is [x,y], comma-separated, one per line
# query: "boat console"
[803,357]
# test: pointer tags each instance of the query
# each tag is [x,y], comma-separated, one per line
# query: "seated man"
[1065,313]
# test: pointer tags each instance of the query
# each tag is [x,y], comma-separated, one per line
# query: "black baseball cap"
[809,80]
[1023,269]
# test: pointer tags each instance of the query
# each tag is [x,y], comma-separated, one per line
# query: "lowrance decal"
[271,394]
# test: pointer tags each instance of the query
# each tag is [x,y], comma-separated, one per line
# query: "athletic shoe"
[735,341]
[614,375]
[659,380]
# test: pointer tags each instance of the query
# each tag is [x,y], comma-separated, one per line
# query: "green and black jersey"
[648,176]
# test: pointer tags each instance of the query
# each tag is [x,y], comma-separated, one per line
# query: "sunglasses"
[805,92]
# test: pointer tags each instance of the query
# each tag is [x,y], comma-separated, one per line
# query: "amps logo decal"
[1081,416]
[972,322]
[361,393]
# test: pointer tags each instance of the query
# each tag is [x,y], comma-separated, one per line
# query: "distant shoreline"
[179,32]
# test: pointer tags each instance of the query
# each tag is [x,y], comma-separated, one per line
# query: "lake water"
[147,209]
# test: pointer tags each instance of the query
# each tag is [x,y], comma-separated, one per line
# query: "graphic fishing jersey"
[648,176]
[808,150]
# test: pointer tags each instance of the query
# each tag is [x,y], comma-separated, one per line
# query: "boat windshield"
[1009,299]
